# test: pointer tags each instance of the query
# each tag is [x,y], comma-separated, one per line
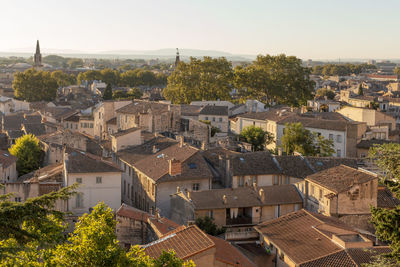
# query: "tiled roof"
[49,173]
[316,123]
[14,134]
[341,178]
[214,110]
[156,166]
[386,198]
[245,197]
[190,110]
[338,259]
[73,118]
[299,235]
[228,254]
[294,166]
[271,115]
[140,107]
[255,163]
[124,132]
[6,159]
[35,129]
[186,243]
[132,213]
[82,162]
[112,121]
[162,225]
[362,256]
[134,154]
[323,163]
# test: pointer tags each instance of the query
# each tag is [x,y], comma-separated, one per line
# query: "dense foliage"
[92,243]
[129,78]
[386,221]
[207,225]
[341,69]
[133,93]
[298,139]
[28,153]
[322,92]
[257,137]
[207,79]
[35,85]
[275,79]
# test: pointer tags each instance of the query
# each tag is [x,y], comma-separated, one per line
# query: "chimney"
[255,186]
[181,141]
[175,167]
[224,200]
[279,151]
[157,214]
[262,195]
[203,145]
[178,189]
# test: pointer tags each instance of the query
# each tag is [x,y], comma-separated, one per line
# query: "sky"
[309,29]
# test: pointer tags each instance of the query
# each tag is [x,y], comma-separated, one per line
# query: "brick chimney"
[175,167]
[262,195]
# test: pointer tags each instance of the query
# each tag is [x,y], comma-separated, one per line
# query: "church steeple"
[177,59]
[37,58]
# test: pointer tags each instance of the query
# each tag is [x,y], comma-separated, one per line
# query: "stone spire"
[177,59]
[37,58]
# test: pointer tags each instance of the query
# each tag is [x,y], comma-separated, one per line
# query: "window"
[211,213]
[312,190]
[126,118]
[91,125]
[213,118]
[220,119]
[339,138]
[320,194]
[196,187]
[98,180]
[124,187]
[66,125]
[79,180]
[287,181]
[206,118]
[81,124]
[129,190]
[339,153]
[330,136]
[132,192]
[276,180]
[17,199]
[76,126]
[79,200]
[241,181]
[253,180]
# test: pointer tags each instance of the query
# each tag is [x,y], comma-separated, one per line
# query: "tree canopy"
[257,137]
[108,93]
[207,79]
[207,225]
[322,92]
[28,153]
[386,221]
[35,85]
[275,79]
[298,139]
[341,69]
[92,243]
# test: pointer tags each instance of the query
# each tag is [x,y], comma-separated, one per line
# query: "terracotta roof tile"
[341,178]
[296,234]
[228,254]
[386,198]
[6,159]
[83,162]
[186,243]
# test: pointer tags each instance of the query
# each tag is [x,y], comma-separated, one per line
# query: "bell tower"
[37,58]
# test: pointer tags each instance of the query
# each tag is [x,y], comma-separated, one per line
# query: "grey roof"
[245,197]
[35,129]
[214,110]
[82,162]
[124,132]
[190,110]
[367,144]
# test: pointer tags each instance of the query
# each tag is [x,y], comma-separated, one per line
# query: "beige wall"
[129,139]
[8,174]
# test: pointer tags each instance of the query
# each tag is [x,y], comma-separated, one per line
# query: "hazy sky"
[318,29]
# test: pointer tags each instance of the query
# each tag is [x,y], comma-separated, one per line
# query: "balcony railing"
[238,220]
[241,235]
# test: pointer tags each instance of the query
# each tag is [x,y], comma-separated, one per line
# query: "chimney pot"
[224,200]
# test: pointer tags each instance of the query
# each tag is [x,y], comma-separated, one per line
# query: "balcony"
[245,235]
[239,220]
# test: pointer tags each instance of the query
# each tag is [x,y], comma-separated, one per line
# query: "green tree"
[135,93]
[257,137]
[207,79]
[110,76]
[74,63]
[386,221]
[322,92]
[207,225]
[360,90]
[108,93]
[28,153]
[397,71]
[298,139]
[275,79]
[34,85]
[323,147]
[63,79]
[93,243]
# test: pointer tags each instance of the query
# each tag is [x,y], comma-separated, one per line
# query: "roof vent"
[161,156]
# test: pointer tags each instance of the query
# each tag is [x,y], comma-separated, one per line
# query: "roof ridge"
[321,257]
